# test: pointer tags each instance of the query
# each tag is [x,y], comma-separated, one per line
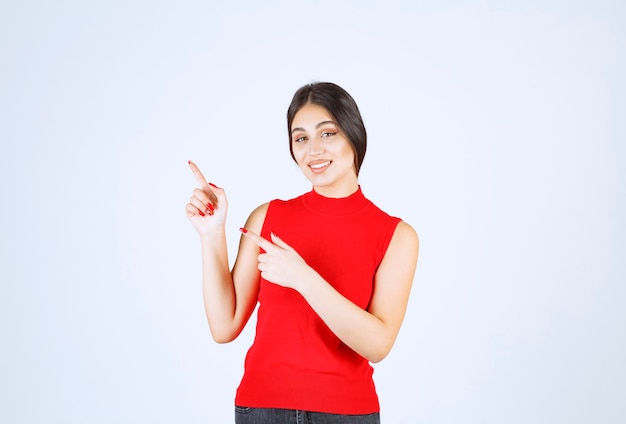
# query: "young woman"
[331,271]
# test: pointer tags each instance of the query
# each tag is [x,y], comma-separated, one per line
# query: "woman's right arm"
[229,296]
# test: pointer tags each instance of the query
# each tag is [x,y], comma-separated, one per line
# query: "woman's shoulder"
[406,235]
[261,210]
[257,217]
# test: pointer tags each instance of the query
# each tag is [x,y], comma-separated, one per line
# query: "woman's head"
[343,109]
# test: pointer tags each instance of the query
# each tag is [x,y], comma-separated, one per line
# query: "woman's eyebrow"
[316,127]
[324,123]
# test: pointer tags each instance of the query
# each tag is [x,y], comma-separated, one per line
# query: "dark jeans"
[245,415]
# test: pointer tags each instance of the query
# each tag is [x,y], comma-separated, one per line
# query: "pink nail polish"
[243,230]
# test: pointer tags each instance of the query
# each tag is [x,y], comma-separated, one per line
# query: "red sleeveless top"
[296,362]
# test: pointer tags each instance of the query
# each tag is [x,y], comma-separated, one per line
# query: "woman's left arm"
[371,333]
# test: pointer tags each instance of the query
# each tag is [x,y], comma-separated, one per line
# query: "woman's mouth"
[319,166]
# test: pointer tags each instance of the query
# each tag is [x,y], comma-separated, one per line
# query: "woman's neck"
[338,191]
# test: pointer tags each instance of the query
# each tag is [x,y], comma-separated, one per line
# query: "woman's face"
[323,152]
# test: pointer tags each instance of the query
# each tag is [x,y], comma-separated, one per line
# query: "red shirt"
[296,362]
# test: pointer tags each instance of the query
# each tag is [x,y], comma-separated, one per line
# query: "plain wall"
[496,129]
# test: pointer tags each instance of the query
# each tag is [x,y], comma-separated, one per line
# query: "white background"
[496,129]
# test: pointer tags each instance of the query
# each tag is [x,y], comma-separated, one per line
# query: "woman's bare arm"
[229,296]
[372,332]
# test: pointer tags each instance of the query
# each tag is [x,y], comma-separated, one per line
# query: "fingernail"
[243,230]
[210,207]
[201,213]
[189,161]
[213,185]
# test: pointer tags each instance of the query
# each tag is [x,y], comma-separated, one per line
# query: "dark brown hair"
[342,108]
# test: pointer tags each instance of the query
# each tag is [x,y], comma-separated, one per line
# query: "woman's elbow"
[380,352]
[221,339]
[223,336]
[376,359]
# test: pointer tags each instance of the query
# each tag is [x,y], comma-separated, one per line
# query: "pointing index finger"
[199,177]
[260,241]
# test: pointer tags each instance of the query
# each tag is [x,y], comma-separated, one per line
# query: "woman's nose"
[316,147]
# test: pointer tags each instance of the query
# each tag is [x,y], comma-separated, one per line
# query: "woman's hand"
[371,332]
[281,264]
[207,206]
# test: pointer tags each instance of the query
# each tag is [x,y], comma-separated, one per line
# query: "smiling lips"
[319,165]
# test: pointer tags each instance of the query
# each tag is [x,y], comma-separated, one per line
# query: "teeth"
[320,165]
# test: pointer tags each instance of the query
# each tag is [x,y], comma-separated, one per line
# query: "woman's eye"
[328,133]
[299,139]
